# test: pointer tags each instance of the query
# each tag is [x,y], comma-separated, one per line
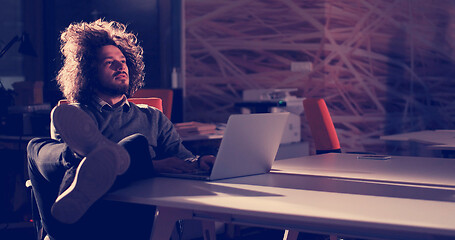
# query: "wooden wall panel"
[383,66]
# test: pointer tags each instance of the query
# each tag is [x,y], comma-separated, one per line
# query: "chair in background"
[152,101]
[322,129]
[166,95]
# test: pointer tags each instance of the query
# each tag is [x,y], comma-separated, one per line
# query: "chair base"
[328,151]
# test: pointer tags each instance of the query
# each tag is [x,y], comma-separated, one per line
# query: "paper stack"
[187,129]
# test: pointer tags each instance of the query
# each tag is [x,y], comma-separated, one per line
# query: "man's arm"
[173,165]
[169,141]
[173,146]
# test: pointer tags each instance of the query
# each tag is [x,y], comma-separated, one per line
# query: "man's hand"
[206,162]
[177,165]
[173,165]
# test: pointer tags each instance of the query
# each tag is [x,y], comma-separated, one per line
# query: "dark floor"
[20,231]
[27,233]
[255,233]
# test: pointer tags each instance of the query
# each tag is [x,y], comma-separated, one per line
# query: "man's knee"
[33,148]
[42,149]
[35,145]
[31,145]
[135,140]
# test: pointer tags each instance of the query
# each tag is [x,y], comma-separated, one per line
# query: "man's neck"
[111,100]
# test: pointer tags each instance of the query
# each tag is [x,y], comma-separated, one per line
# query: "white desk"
[398,169]
[436,139]
[313,203]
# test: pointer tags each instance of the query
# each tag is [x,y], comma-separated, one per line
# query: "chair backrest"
[166,96]
[150,101]
[321,126]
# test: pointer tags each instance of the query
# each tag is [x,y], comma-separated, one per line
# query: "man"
[100,141]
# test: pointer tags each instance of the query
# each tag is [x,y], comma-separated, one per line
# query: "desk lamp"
[25,48]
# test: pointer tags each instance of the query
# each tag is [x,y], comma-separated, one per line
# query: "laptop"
[249,147]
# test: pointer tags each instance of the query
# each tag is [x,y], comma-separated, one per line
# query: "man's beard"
[113,90]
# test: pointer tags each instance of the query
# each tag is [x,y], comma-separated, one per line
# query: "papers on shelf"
[198,129]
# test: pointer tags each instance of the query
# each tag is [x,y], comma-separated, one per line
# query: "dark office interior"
[383,67]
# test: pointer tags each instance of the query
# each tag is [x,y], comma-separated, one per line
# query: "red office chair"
[152,102]
[166,96]
[322,129]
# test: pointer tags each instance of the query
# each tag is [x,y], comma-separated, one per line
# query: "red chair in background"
[152,102]
[322,129]
[166,95]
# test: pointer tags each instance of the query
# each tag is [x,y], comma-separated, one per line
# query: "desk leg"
[165,219]
[290,234]
[208,230]
[293,234]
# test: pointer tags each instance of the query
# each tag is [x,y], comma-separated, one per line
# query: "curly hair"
[80,43]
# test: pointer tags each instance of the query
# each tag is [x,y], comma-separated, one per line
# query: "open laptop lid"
[250,144]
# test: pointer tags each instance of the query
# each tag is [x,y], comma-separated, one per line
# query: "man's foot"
[94,177]
[81,134]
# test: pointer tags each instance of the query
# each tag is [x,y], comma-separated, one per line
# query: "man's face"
[113,72]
